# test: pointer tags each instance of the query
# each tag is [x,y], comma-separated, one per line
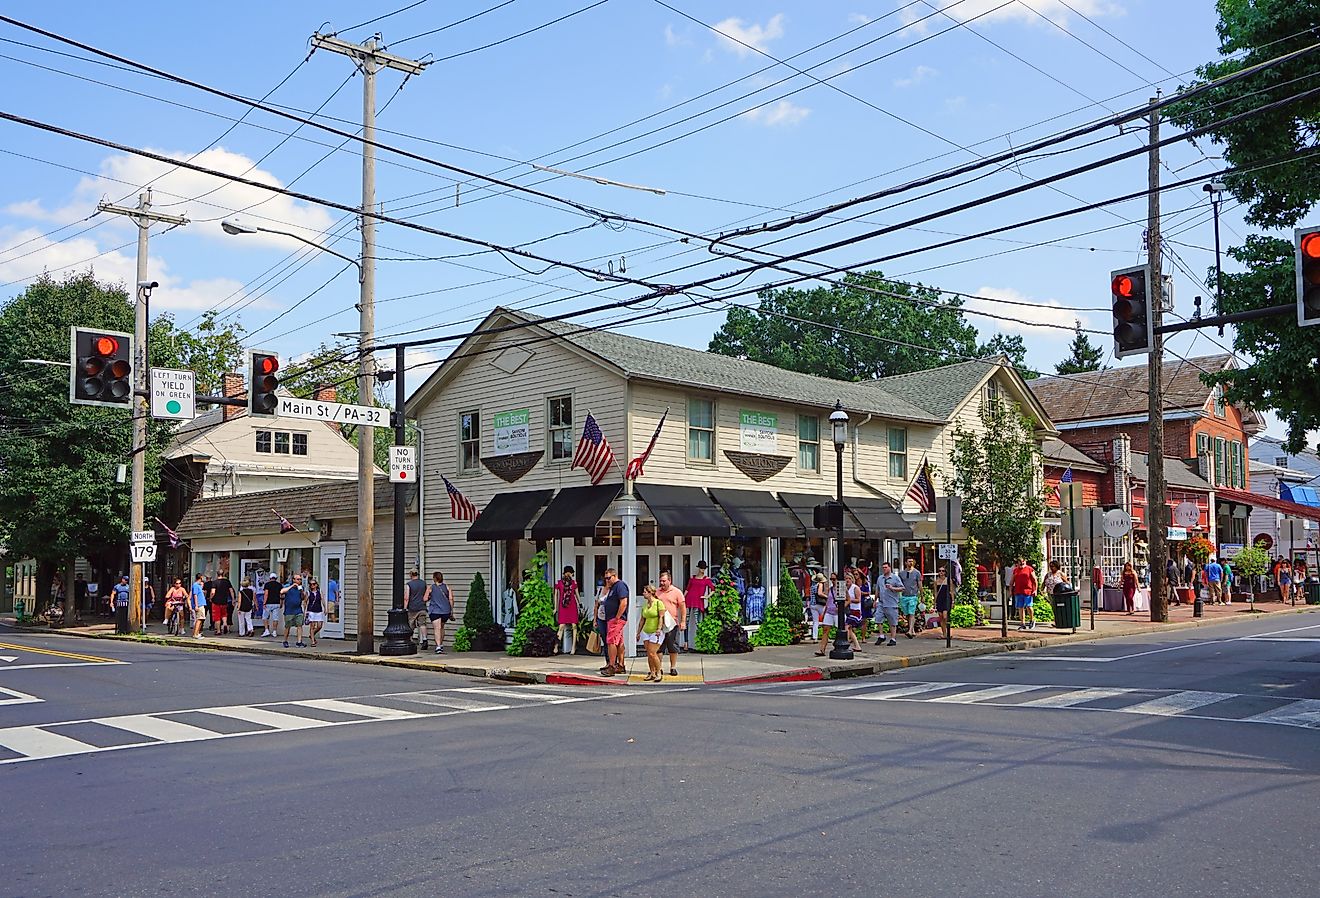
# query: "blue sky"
[912,91]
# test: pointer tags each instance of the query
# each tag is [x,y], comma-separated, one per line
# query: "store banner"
[758,431]
[512,433]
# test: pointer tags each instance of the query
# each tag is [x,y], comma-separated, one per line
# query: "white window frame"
[803,443]
[270,442]
[474,439]
[553,430]
[293,443]
[893,453]
[712,429]
[288,442]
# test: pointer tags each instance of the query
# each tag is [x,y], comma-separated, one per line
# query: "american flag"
[922,491]
[593,454]
[635,466]
[175,542]
[460,507]
[286,526]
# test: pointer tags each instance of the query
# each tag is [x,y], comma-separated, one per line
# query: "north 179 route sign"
[333,412]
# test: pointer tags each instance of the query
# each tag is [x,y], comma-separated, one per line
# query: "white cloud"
[1056,11]
[919,74]
[741,38]
[1042,317]
[859,18]
[674,39]
[781,113]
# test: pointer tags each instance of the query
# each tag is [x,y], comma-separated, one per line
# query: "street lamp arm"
[234,228]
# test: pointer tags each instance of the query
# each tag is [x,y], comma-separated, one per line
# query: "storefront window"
[808,443]
[253,564]
[898,453]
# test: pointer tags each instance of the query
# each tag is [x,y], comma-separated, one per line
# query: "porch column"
[770,576]
[628,509]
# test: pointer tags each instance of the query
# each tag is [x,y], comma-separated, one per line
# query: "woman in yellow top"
[652,630]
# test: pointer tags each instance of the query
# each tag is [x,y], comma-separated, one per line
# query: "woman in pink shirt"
[698,588]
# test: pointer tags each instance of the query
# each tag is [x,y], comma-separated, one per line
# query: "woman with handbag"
[652,631]
[567,612]
[826,610]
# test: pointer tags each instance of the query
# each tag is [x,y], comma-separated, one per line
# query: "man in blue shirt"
[198,605]
[293,609]
[890,587]
[121,592]
[1214,579]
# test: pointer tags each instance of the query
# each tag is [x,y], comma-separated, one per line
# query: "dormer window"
[1221,408]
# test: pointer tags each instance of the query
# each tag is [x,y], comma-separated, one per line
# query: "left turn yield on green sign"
[173,394]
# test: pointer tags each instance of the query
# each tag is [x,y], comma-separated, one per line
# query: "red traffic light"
[1310,246]
[105,346]
[1124,286]
[269,364]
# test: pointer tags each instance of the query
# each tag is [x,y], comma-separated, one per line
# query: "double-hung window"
[282,442]
[469,440]
[701,430]
[808,443]
[559,423]
[898,467]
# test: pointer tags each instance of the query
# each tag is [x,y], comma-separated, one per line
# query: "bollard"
[1198,607]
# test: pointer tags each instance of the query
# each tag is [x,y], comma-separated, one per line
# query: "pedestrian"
[911,578]
[208,585]
[828,614]
[1024,592]
[1214,581]
[1172,575]
[1189,573]
[440,608]
[221,597]
[1053,578]
[246,599]
[698,588]
[315,609]
[148,599]
[890,587]
[652,631]
[199,605]
[852,610]
[271,613]
[1228,582]
[294,604]
[1283,579]
[567,612]
[598,618]
[1128,582]
[675,620]
[176,597]
[616,621]
[415,604]
[943,597]
[119,593]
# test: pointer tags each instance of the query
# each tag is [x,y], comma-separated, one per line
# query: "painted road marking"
[1076,697]
[14,697]
[1301,713]
[38,742]
[1273,636]
[905,691]
[1177,703]
[95,659]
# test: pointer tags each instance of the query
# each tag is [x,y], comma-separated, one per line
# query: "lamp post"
[234,229]
[1216,190]
[842,651]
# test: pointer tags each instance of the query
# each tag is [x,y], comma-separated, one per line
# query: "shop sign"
[1230,550]
[1186,514]
[1118,523]
[512,433]
[511,467]
[757,431]
[756,465]
[1177,534]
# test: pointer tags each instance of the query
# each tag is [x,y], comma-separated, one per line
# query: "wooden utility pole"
[369,60]
[1157,511]
[144,218]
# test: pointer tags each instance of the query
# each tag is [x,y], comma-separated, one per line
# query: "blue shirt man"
[198,594]
[1214,572]
[121,593]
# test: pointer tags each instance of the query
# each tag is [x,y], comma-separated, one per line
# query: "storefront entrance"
[332,586]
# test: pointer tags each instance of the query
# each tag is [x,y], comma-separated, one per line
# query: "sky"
[730,115]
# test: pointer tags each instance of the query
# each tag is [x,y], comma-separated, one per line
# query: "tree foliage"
[723,611]
[995,471]
[210,350]
[792,329]
[777,624]
[1083,355]
[1284,376]
[1273,149]
[335,366]
[537,609]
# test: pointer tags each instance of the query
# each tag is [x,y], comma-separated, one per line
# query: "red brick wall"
[1174,496]
[1089,480]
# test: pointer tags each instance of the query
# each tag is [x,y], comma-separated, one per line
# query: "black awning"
[683,510]
[879,518]
[575,511]
[506,516]
[755,513]
[803,507]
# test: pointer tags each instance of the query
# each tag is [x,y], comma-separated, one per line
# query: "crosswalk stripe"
[1177,703]
[829,688]
[34,742]
[905,691]
[277,719]
[375,712]
[1301,713]
[161,728]
[452,702]
[526,695]
[982,694]
[1075,697]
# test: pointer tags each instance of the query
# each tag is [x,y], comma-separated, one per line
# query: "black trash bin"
[1067,605]
[1313,591]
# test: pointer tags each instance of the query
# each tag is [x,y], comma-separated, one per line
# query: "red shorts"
[614,632]
[219,612]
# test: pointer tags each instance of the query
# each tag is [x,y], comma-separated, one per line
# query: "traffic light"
[1130,302]
[1308,276]
[263,381]
[101,367]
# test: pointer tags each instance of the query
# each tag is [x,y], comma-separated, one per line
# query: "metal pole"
[398,632]
[842,651]
[948,573]
[1156,510]
[1219,268]
[137,491]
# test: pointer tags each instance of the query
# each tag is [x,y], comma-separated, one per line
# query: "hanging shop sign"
[758,466]
[511,467]
[758,431]
[512,433]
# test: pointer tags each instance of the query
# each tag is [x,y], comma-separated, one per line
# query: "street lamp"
[1216,190]
[842,651]
[234,229]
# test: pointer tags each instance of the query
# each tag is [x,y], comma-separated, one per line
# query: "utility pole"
[369,60]
[1156,509]
[143,217]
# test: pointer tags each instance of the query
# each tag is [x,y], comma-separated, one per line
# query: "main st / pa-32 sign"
[334,412]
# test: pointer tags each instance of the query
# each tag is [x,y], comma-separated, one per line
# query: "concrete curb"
[801,675]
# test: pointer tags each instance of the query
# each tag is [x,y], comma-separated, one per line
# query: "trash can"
[20,609]
[1313,591]
[1067,607]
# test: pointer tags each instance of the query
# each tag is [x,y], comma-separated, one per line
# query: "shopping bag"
[593,643]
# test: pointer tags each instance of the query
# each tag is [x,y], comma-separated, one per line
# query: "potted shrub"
[1248,565]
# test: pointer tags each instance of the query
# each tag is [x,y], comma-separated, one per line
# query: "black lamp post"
[1216,190]
[842,651]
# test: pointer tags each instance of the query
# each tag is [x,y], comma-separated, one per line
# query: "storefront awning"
[803,507]
[506,516]
[1255,500]
[880,519]
[575,511]
[755,513]
[683,510]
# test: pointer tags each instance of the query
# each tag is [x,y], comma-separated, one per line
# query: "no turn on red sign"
[403,464]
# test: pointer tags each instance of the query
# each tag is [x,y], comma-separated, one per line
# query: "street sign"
[948,514]
[140,552]
[1117,523]
[403,464]
[948,552]
[334,412]
[1070,495]
[143,536]
[173,394]
[1186,514]
[1177,534]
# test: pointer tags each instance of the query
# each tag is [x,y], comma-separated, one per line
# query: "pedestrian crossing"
[116,733]
[1199,704]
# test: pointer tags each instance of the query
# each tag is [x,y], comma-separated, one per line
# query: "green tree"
[995,471]
[209,351]
[537,608]
[1274,151]
[723,610]
[784,329]
[1083,355]
[1284,376]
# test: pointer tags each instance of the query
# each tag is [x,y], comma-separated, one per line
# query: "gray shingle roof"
[652,360]
[1057,452]
[251,513]
[1176,473]
[1122,391]
[939,390]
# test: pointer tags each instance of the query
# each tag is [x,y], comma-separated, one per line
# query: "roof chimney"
[327,393]
[231,387]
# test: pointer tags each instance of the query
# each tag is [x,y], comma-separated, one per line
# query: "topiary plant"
[537,608]
[733,640]
[477,612]
[723,609]
[463,640]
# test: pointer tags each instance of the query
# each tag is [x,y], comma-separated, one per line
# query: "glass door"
[332,588]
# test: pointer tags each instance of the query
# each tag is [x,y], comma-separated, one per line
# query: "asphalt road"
[1176,765]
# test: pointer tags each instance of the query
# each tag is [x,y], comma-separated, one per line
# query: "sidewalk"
[772,664]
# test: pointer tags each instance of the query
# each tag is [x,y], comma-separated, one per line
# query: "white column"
[628,510]
[770,576]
